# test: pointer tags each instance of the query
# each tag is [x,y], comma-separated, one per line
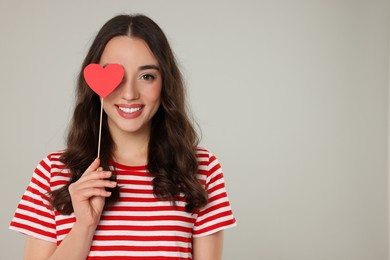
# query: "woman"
[153,194]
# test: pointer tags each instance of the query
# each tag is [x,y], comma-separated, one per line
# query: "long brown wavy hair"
[172,147]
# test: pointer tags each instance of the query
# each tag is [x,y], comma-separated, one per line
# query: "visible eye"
[148,77]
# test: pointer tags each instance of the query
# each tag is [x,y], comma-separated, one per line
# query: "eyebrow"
[148,67]
[144,67]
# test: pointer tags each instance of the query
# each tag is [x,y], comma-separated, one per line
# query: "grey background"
[292,97]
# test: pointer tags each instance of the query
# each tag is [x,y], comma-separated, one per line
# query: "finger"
[93,166]
[96,184]
[88,193]
[82,190]
[95,175]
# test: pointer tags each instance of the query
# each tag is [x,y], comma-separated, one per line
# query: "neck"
[131,148]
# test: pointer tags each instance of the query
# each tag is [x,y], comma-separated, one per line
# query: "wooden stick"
[100,127]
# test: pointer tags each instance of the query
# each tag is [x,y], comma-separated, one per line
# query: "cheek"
[108,103]
[154,94]
[112,96]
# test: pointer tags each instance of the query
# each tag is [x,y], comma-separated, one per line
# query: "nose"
[129,89]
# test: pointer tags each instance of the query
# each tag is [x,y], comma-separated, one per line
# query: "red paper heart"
[103,80]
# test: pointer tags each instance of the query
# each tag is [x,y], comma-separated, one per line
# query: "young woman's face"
[131,106]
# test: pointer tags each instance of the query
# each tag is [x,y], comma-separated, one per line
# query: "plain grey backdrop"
[292,97]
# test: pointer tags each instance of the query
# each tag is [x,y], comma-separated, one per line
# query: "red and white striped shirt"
[139,225]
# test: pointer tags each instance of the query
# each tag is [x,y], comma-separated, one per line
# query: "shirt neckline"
[120,166]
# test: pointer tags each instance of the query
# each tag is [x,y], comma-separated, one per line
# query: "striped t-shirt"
[139,225]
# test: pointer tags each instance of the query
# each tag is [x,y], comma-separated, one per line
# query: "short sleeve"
[34,215]
[217,214]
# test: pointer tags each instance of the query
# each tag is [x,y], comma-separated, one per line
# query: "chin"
[133,128]
[130,129]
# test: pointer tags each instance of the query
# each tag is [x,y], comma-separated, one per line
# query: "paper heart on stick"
[103,80]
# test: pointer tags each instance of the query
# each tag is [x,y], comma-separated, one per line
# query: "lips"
[130,111]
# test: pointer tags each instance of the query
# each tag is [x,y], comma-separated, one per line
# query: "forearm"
[76,245]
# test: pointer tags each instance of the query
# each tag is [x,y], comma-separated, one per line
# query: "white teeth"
[129,110]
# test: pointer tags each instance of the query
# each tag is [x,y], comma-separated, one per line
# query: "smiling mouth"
[130,110]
